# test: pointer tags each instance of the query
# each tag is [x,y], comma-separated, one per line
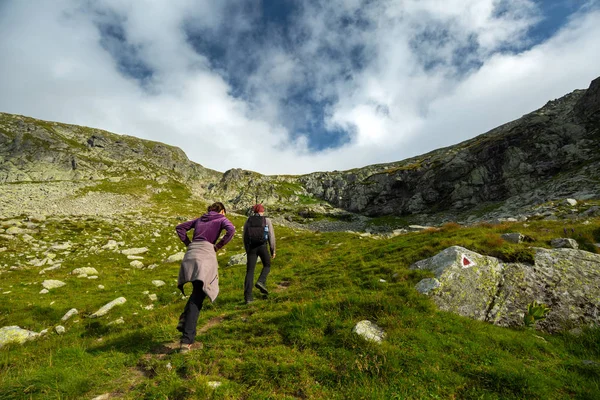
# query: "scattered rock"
[158,283]
[15,334]
[238,259]
[514,237]
[84,271]
[137,264]
[52,268]
[52,284]
[105,396]
[117,321]
[13,230]
[60,329]
[134,251]
[214,384]
[571,202]
[111,245]
[44,291]
[369,331]
[153,297]
[564,243]
[107,307]
[177,257]
[63,246]
[135,257]
[100,286]
[69,314]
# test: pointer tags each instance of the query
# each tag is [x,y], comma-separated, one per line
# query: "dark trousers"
[252,255]
[189,317]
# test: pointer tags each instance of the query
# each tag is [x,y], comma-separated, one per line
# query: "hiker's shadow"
[133,343]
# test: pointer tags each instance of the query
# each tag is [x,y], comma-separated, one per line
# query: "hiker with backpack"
[200,266]
[258,231]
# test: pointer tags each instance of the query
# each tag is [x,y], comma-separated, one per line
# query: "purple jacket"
[207,228]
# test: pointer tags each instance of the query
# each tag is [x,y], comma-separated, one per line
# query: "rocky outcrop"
[512,161]
[483,288]
[35,150]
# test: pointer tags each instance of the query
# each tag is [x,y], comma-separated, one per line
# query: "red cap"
[258,208]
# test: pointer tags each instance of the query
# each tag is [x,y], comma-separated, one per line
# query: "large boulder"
[468,281]
[481,287]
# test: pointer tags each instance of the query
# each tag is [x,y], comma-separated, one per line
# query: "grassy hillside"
[297,344]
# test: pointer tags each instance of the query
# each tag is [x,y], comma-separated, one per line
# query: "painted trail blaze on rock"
[466,263]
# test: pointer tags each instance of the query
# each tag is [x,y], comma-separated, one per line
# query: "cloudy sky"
[294,86]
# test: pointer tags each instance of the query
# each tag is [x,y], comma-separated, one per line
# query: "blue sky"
[289,86]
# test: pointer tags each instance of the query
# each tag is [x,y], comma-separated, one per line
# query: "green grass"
[297,344]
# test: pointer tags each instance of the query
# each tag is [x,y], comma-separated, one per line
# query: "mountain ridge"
[545,155]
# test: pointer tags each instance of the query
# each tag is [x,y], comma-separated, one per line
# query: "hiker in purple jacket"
[258,231]
[200,265]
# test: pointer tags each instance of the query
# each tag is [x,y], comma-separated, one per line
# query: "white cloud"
[55,67]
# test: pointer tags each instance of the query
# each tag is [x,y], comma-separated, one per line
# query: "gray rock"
[571,202]
[52,284]
[44,291]
[15,334]
[13,230]
[239,259]
[84,271]
[62,246]
[369,331]
[60,329]
[513,237]
[564,243]
[69,314]
[111,245]
[52,268]
[117,321]
[134,251]
[177,257]
[427,285]
[158,283]
[137,264]
[107,307]
[153,297]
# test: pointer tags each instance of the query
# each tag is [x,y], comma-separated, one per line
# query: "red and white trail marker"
[466,262]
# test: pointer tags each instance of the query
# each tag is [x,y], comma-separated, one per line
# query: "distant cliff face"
[551,153]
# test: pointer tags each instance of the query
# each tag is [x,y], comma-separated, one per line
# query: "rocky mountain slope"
[549,154]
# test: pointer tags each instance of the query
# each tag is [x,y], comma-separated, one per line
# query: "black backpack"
[257,235]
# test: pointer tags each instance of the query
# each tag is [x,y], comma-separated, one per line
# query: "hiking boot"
[262,287]
[180,326]
[185,348]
